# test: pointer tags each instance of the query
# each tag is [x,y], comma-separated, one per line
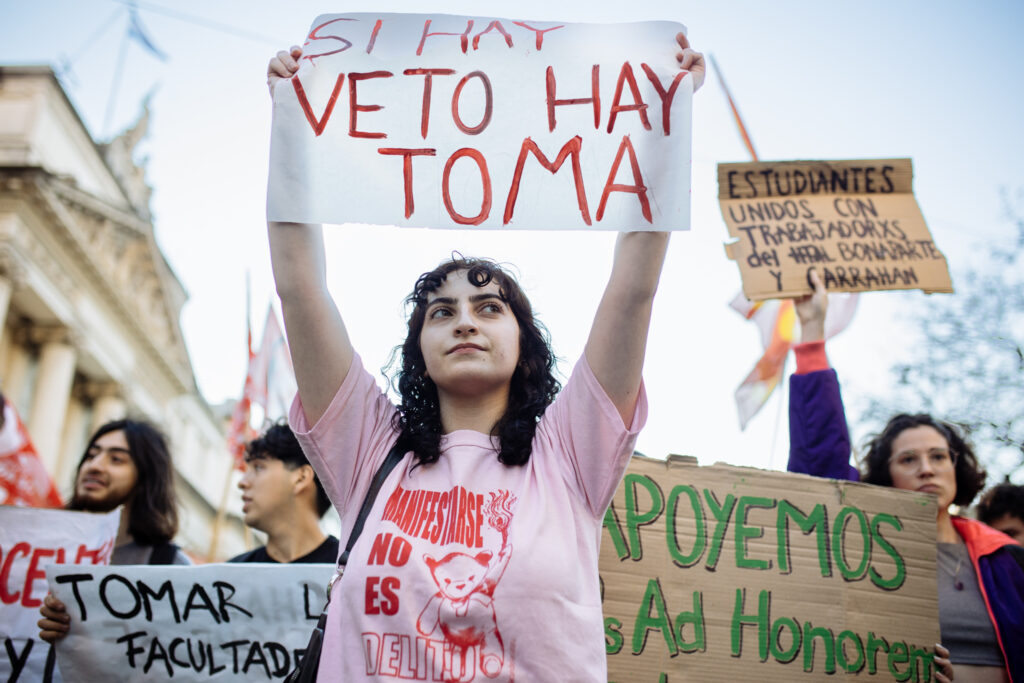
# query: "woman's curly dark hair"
[970,476]
[533,386]
[153,504]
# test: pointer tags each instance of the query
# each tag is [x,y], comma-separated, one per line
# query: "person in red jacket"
[980,572]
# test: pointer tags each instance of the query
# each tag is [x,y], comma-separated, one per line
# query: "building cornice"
[46,72]
[87,227]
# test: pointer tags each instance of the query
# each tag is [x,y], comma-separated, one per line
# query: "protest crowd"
[473,498]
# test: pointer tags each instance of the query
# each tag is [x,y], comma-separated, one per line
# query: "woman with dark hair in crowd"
[478,560]
[980,571]
[532,386]
[126,463]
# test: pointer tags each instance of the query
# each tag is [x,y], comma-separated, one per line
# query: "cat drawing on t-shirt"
[463,609]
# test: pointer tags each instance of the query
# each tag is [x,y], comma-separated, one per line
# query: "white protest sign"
[30,540]
[449,121]
[241,622]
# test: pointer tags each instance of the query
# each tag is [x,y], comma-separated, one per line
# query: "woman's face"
[921,461]
[470,337]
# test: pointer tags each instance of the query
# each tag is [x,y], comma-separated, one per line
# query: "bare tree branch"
[969,365]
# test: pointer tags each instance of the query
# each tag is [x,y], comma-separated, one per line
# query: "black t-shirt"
[325,553]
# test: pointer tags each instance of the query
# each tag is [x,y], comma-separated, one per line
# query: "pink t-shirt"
[467,569]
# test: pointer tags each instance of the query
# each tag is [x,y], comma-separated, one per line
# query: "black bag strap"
[394,457]
[306,670]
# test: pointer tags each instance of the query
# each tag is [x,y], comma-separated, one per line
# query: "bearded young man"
[127,464]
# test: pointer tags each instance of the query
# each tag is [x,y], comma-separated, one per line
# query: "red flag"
[269,384]
[23,477]
[272,374]
[240,432]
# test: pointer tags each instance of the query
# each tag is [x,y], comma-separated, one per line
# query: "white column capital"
[48,335]
[11,267]
[106,408]
[96,389]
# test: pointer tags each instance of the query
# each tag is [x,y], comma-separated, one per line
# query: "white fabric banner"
[449,121]
[30,540]
[222,622]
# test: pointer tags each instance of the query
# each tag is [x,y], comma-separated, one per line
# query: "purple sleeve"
[1002,573]
[819,440]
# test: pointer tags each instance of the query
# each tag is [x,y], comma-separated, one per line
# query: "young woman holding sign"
[980,571]
[479,558]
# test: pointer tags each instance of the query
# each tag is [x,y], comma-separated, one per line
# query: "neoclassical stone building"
[89,308]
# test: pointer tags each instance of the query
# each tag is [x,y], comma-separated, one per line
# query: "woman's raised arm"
[320,347]
[618,338]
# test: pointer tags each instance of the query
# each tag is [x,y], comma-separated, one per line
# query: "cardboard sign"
[733,574]
[467,122]
[239,622]
[30,540]
[856,222]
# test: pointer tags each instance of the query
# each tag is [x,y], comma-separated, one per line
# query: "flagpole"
[735,110]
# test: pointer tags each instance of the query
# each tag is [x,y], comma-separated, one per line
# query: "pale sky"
[934,81]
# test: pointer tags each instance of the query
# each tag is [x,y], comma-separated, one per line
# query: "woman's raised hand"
[691,60]
[284,65]
[811,308]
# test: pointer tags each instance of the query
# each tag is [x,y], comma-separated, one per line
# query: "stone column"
[55,376]
[12,275]
[6,289]
[72,444]
[14,360]
[108,403]
[16,371]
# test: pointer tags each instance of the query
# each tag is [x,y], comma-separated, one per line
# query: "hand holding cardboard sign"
[856,222]
[943,667]
[55,622]
[811,308]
